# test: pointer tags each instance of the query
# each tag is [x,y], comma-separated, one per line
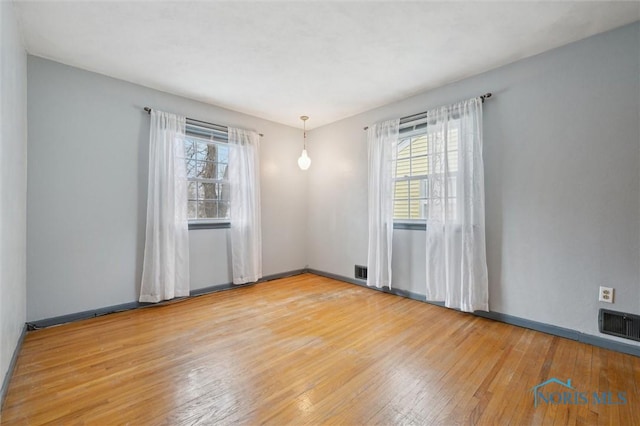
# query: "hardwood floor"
[310,350]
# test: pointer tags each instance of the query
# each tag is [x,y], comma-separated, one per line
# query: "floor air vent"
[619,324]
[361,272]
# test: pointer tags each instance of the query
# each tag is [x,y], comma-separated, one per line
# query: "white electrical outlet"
[606,294]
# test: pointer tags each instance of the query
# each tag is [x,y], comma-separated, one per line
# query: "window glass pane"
[414,189]
[403,168]
[206,162]
[223,210]
[423,208]
[404,148]
[415,209]
[207,191]
[189,149]
[192,193]
[206,169]
[206,152]
[223,153]
[191,169]
[419,145]
[212,152]
[191,210]
[419,166]
[424,188]
[401,189]
[222,171]
[425,155]
[401,209]
[207,210]
[223,191]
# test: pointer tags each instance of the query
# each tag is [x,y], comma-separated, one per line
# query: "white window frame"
[203,134]
[410,135]
[414,131]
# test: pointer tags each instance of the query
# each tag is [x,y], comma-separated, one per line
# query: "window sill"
[410,226]
[208,225]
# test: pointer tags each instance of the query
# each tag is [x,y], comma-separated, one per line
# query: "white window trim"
[417,129]
[207,223]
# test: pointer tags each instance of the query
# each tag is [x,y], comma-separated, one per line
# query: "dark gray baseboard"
[609,344]
[505,318]
[77,316]
[12,366]
[363,283]
[229,286]
[215,289]
[63,319]
[496,316]
[282,275]
[338,277]
[567,333]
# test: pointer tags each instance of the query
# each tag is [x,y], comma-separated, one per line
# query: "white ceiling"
[328,60]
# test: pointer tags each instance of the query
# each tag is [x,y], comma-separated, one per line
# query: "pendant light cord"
[304,119]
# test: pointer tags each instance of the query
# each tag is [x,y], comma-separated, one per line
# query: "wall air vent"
[361,272]
[619,324]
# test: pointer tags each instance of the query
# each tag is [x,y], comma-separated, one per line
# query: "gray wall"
[562,158]
[87,177]
[562,162]
[13,185]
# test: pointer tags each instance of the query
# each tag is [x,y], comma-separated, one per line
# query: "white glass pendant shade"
[304,161]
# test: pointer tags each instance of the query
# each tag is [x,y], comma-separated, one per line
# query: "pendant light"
[304,161]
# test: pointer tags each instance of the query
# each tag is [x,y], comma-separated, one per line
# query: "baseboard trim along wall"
[77,316]
[363,283]
[12,366]
[63,319]
[496,316]
[229,286]
[505,318]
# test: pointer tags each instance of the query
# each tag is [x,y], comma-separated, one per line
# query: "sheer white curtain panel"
[244,198]
[382,140]
[165,271]
[455,235]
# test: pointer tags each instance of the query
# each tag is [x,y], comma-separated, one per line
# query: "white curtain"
[244,198]
[382,140]
[165,271]
[456,253]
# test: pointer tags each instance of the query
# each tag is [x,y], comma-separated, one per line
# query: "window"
[417,170]
[207,158]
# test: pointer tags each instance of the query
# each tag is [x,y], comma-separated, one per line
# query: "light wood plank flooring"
[309,350]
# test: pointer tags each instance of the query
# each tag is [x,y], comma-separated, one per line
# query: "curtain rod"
[225,128]
[412,116]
